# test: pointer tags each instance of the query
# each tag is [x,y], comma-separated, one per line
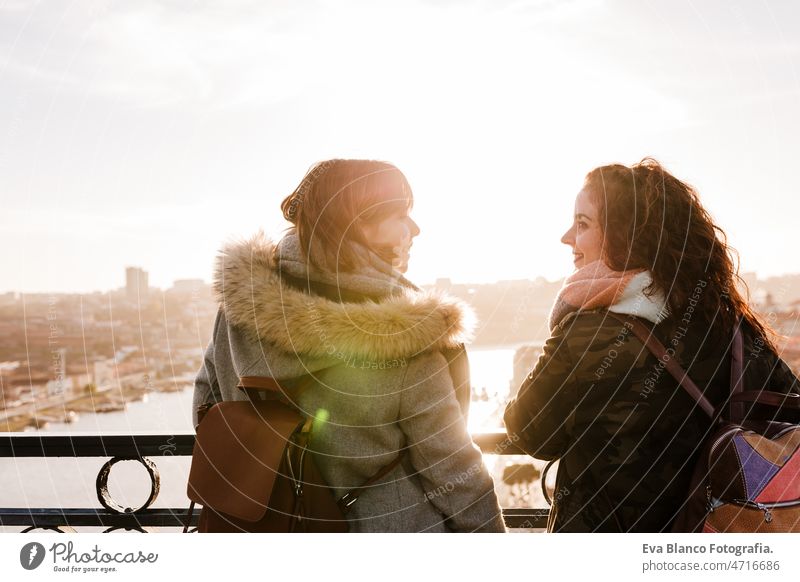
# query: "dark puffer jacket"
[626,433]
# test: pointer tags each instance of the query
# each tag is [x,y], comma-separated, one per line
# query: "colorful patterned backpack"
[747,478]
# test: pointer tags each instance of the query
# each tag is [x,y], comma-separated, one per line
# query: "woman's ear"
[366,229]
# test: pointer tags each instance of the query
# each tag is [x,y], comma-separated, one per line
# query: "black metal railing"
[144,448]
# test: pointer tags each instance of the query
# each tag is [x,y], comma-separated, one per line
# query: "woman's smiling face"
[585,236]
[393,237]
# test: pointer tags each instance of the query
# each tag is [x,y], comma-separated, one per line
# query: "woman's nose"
[568,237]
[414,228]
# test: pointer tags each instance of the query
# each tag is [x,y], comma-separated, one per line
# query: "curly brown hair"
[653,220]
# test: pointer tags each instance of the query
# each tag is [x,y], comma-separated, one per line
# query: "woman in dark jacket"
[381,363]
[626,433]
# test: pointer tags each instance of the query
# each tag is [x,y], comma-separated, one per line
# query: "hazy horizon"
[147,134]
[121,286]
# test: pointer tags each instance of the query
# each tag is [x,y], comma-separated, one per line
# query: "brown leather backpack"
[252,470]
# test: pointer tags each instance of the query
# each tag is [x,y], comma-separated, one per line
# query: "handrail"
[143,447]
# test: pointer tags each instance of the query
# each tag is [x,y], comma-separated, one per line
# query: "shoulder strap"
[351,496]
[737,394]
[657,349]
[737,373]
[263,388]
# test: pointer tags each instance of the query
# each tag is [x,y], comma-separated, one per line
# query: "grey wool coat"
[388,372]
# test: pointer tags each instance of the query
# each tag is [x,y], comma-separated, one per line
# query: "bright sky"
[146,133]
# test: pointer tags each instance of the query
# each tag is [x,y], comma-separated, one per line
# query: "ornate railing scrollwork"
[143,449]
[102,484]
[55,528]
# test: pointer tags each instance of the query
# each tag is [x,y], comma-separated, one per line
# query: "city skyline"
[186,285]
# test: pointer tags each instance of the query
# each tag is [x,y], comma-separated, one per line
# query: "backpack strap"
[657,349]
[737,374]
[264,388]
[351,496]
[787,401]
[738,396]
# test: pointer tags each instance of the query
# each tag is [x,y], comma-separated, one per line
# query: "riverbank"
[66,409]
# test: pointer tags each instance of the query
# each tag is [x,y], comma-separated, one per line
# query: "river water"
[70,482]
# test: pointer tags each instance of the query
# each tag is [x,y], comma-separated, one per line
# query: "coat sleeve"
[449,465]
[783,379]
[537,417]
[206,387]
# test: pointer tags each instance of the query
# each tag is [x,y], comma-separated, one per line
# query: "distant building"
[136,285]
[444,284]
[188,286]
[6,368]
[60,386]
[60,383]
[759,297]
[123,352]
[750,279]
[8,298]
[104,374]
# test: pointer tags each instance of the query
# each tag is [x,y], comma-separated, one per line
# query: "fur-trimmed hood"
[255,300]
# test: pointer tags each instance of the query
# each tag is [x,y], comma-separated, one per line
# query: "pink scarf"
[591,286]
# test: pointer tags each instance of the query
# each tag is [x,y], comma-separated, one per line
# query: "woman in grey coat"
[381,362]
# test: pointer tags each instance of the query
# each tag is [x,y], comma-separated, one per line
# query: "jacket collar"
[634,300]
[403,322]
